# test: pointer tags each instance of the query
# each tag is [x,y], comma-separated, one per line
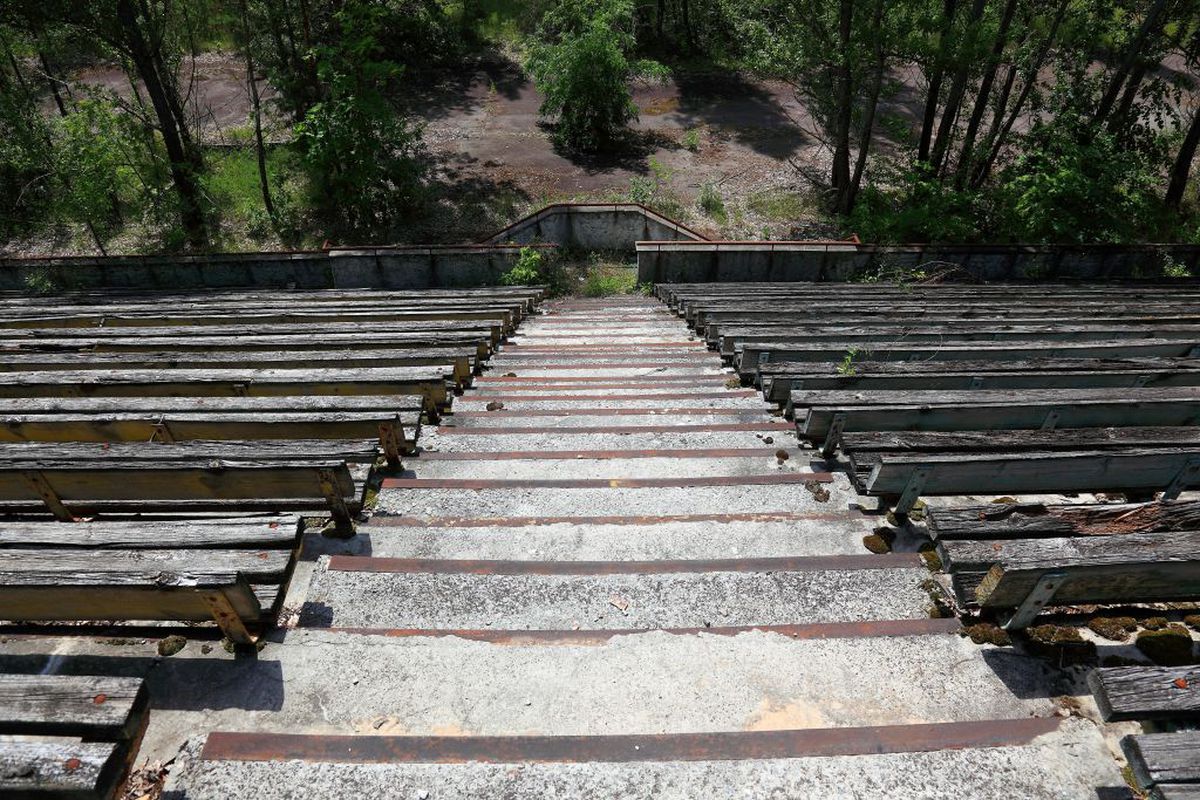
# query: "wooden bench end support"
[390,435]
[337,504]
[1038,598]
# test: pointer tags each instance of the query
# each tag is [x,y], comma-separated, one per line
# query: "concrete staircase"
[603,580]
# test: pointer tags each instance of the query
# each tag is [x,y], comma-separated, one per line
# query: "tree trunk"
[985,92]
[843,109]
[1031,76]
[1183,164]
[1132,52]
[868,123]
[941,145]
[191,213]
[256,111]
[935,82]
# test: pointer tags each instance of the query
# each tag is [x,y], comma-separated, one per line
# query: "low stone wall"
[383,268]
[617,227]
[698,262]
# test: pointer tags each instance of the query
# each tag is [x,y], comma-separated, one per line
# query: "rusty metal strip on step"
[600,455]
[388,521]
[816,630]
[770,479]
[717,746]
[696,376]
[614,412]
[446,566]
[620,429]
[533,398]
[659,364]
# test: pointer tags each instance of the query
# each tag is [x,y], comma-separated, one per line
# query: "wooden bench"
[395,421]
[315,333]
[1158,567]
[779,379]
[1167,764]
[73,480]
[905,476]
[465,360]
[823,415]
[428,383]
[68,736]
[750,357]
[232,571]
[1034,520]
[1154,693]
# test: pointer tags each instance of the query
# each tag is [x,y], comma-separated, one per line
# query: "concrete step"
[587,416]
[731,536]
[545,401]
[707,369]
[657,500]
[357,592]
[579,465]
[1071,763]
[619,438]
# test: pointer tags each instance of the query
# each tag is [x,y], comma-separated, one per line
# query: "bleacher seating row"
[970,390]
[133,419]
[1010,390]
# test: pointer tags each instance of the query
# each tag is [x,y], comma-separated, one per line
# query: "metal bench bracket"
[50,497]
[1038,598]
[912,489]
[1189,473]
[977,382]
[1051,420]
[834,437]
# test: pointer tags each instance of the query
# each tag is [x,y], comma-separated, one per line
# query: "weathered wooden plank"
[35,769]
[1177,791]
[1041,472]
[863,443]
[291,342]
[1031,520]
[257,533]
[1164,757]
[104,708]
[69,455]
[257,566]
[327,404]
[184,427]
[1147,693]
[1136,567]
[1135,409]
[463,358]
[750,356]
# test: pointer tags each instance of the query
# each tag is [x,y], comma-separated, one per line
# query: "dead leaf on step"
[619,603]
[495,405]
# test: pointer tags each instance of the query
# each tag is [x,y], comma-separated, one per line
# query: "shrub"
[691,140]
[581,65]
[711,202]
[527,271]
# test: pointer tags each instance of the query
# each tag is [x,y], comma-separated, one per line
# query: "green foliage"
[712,203]
[1072,184]
[691,140]
[909,204]
[1174,269]
[779,206]
[361,156]
[527,271]
[102,164]
[581,63]
[608,279]
[654,190]
[846,367]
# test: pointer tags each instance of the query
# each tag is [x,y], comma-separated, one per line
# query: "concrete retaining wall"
[384,268]
[696,262]
[617,227]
